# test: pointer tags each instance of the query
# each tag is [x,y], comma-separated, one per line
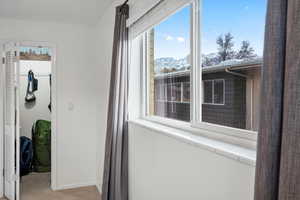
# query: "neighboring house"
[230,94]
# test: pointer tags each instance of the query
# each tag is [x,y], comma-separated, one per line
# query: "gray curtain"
[278,151]
[115,177]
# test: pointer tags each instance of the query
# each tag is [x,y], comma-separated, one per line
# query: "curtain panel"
[278,151]
[115,177]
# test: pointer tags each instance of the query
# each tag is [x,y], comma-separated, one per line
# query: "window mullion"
[195,71]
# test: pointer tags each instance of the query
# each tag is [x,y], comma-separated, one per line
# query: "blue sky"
[244,19]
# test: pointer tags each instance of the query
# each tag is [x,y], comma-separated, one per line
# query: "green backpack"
[41,139]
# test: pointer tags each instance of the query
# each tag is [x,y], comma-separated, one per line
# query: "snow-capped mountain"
[168,64]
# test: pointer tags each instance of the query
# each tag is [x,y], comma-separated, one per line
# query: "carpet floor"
[36,186]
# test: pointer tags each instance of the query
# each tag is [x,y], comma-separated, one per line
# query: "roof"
[232,65]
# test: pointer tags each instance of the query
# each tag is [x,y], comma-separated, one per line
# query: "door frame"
[53,107]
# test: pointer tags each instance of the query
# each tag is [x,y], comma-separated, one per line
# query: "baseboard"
[77,185]
[99,186]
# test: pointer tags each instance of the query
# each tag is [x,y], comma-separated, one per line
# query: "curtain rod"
[38,75]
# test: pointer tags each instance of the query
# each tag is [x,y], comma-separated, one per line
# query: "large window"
[215,81]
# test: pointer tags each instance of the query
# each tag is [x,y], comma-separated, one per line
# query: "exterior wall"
[233,113]
[175,110]
[172,110]
[253,99]
[151,72]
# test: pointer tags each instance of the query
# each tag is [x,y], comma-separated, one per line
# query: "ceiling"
[67,11]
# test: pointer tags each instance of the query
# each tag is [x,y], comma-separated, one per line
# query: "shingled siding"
[179,111]
[233,113]
[174,110]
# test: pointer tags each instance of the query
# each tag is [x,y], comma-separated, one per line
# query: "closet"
[35,120]
[27,92]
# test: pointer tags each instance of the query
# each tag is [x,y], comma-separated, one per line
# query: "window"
[215,82]
[213,91]
[169,67]
[231,57]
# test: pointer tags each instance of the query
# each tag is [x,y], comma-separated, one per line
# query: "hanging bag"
[50,80]
[32,86]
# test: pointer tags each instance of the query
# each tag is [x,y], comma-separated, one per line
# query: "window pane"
[208,91]
[232,38]
[169,67]
[218,91]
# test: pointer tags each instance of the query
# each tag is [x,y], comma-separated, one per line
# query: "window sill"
[241,154]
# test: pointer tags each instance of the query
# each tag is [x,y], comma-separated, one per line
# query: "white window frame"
[213,92]
[245,138]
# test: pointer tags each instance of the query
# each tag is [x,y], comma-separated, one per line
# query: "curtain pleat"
[270,130]
[289,187]
[115,177]
[278,153]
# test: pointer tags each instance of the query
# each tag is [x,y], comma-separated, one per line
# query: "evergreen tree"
[246,51]
[225,49]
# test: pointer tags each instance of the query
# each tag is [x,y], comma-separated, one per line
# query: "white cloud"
[180,39]
[168,38]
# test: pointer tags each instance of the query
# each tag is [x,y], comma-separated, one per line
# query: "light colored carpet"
[36,186]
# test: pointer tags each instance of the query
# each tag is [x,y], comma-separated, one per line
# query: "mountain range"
[170,64]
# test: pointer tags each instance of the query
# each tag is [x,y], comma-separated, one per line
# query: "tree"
[225,49]
[246,51]
[210,59]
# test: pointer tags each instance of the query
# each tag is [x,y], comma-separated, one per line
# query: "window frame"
[241,137]
[213,92]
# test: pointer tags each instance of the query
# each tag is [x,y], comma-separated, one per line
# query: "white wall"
[76,85]
[1,124]
[162,167]
[31,112]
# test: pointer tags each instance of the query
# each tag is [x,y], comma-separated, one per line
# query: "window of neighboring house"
[186,92]
[186,81]
[175,89]
[213,92]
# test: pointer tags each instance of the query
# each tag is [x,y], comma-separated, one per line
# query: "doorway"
[29,147]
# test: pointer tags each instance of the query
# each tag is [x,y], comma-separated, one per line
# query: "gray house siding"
[233,113]
[174,110]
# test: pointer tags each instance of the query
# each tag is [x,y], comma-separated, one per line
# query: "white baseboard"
[76,185]
[1,191]
[99,186]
